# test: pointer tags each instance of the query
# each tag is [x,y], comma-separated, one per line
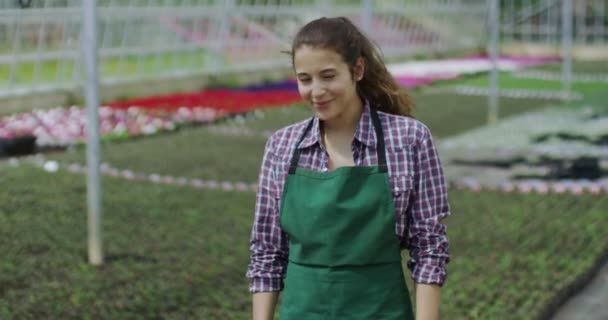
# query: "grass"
[448,114]
[508,81]
[25,73]
[588,67]
[176,252]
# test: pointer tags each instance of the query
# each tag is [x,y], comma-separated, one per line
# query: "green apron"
[344,255]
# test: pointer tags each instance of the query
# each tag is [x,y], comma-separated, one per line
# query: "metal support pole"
[14,67]
[566,51]
[89,48]
[223,36]
[493,22]
[42,30]
[367,14]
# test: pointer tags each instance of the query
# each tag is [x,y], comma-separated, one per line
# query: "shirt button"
[324,170]
[396,189]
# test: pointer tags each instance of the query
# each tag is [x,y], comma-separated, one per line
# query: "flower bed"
[225,100]
[60,127]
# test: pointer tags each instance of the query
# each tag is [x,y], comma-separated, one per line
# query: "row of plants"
[563,141]
[556,132]
[556,143]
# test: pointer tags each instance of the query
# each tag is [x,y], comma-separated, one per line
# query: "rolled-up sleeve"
[268,244]
[429,248]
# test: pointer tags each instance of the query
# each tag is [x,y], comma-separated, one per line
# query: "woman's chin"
[323,115]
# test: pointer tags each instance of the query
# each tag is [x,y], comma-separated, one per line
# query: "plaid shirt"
[417,182]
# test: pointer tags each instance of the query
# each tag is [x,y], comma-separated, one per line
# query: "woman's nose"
[317,90]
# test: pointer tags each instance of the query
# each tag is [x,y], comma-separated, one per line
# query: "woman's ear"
[359,69]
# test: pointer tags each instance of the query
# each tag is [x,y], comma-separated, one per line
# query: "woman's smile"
[321,105]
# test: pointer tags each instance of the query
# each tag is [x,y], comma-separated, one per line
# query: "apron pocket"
[375,292]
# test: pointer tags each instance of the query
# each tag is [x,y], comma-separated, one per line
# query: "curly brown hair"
[340,35]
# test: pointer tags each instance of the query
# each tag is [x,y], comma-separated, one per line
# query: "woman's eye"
[305,80]
[328,77]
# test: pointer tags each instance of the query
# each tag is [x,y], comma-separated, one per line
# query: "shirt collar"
[365,132]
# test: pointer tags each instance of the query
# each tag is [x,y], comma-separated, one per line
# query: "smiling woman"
[340,43]
[342,193]
[324,79]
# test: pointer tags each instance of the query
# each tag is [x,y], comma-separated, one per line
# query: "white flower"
[51,166]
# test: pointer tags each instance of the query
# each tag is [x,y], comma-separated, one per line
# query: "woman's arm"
[427,234]
[268,243]
[428,298]
[264,304]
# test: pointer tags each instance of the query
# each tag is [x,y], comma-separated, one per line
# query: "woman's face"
[325,82]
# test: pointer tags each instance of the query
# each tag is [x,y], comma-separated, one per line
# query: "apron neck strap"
[380,147]
[295,158]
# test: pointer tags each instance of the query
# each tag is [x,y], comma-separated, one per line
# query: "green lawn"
[510,81]
[64,71]
[176,252]
[588,67]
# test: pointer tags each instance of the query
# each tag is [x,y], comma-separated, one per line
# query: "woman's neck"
[345,123]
